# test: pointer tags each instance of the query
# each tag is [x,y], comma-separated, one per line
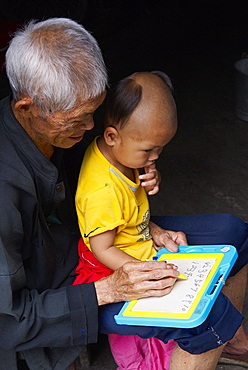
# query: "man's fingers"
[150,275]
[135,280]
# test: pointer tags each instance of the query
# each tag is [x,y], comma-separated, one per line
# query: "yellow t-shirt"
[106,199]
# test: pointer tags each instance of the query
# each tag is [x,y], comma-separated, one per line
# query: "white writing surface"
[184,292]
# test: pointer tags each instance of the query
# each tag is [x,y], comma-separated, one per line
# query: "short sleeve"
[100,211]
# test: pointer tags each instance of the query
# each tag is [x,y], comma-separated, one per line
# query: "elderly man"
[58,80]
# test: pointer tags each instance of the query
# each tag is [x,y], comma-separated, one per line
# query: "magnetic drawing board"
[190,301]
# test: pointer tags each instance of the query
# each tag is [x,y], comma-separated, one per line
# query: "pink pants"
[129,351]
[134,353]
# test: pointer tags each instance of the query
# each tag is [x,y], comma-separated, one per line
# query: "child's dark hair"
[124,97]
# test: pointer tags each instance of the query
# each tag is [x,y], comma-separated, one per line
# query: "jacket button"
[59,188]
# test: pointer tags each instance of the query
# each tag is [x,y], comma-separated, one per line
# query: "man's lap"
[215,228]
[218,328]
[224,319]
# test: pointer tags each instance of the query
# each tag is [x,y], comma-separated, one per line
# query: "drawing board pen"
[180,276]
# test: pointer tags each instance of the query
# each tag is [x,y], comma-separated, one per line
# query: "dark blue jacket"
[41,314]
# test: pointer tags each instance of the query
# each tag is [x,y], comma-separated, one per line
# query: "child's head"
[140,118]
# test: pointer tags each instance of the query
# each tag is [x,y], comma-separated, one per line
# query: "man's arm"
[136,280]
[31,313]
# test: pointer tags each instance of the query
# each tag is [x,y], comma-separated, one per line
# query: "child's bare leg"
[235,289]
[181,359]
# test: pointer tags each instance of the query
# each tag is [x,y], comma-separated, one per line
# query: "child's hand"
[150,180]
[166,238]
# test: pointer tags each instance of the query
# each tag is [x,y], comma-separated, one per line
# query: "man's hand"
[166,238]
[150,180]
[136,280]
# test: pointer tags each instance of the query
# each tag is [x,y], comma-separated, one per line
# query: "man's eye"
[77,123]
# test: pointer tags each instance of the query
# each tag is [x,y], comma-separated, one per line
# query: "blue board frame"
[226,255]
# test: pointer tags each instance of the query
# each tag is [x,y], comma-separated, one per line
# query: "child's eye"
[147,150]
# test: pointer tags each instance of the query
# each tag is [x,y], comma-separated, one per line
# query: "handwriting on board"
[206,268]
[184,292]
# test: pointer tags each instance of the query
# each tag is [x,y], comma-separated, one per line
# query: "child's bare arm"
[103,248]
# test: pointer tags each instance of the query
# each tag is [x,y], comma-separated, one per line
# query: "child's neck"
[107,152]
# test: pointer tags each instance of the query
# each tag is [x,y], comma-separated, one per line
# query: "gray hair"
[56,62]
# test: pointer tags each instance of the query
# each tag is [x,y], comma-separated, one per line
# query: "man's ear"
[23,104]
[110,135]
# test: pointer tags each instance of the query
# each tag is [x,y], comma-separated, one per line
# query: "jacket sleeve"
[30,318]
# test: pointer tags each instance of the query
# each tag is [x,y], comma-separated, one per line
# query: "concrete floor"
[204,168]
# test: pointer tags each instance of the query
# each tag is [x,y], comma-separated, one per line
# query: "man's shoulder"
[4,102]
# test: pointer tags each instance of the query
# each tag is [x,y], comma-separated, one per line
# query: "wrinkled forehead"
[83,108]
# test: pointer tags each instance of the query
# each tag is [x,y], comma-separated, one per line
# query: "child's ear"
[110,135]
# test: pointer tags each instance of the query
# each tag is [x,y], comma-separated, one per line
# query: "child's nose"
[154,156]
